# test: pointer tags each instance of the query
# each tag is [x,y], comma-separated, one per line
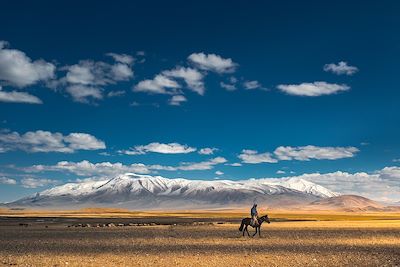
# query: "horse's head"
[265,219]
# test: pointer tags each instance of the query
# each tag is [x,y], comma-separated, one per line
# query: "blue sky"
[281,89]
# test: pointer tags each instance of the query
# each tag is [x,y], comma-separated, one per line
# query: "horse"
[247,221]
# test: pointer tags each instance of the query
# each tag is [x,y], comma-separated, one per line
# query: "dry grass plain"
[292,239]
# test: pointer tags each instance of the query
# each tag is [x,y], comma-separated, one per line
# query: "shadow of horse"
[247,221]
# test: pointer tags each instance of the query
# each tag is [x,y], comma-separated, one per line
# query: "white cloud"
[250,85]
[236,164]
[108,169]
[89,72]
[165,83]
[122,58]
[340,68]
[306,153]
[83,93]
[396,160]
[253,157]
[171,81]
[227,86]
[382,185]
[280,172]
[312,89]
[213,62]
[85,80]
[116,93]
[207,150]
[171,148]
[391,173]
[204,165]
[39,141]
[192,77]
[219,173]
[303,153]
[37,182]
[6,180]
[83,141]
[86,168]
[191,166]
[85,73]
[44,141]
[18,97]
[176,100]
[121,72]
[17,69]
[159,85]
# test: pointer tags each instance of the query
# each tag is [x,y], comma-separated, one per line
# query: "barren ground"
[352,240]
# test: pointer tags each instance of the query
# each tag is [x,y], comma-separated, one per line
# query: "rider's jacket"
[253,211]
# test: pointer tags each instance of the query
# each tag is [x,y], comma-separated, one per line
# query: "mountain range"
[134,191]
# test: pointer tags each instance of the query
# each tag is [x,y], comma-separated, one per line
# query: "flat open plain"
[197,239]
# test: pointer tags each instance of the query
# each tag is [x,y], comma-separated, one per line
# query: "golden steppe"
[197,238]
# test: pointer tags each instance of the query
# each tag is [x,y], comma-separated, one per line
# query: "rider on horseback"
[254,215]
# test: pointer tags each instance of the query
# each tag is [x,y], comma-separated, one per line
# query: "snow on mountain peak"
[158,185]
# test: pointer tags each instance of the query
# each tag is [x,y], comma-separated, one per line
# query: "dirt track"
[366,243]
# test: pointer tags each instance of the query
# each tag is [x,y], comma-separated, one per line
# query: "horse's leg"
[255,232]
[244,230]
[248,234]
[259,231]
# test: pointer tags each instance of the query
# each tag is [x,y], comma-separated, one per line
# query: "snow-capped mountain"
[151,192]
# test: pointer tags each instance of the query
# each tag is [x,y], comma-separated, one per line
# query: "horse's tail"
[241,226]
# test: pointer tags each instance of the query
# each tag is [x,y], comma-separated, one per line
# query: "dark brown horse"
[247,221]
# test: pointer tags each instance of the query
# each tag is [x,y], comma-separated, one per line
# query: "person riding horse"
[254,215]
[248,221]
